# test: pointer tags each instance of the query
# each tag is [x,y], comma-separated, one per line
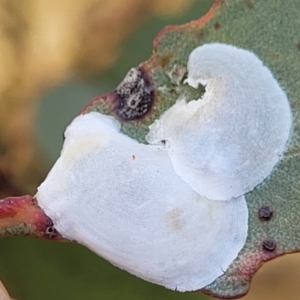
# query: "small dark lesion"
[50,232]
[217,25]
[269,245]
[249,4]
[135,95]
[298,46]
[265,213]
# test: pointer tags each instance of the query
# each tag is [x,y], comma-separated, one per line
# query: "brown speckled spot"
[135,95]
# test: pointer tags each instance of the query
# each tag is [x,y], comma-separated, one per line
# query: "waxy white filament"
[145,210]
[227,142]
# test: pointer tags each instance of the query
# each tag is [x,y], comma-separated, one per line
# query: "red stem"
[22,216]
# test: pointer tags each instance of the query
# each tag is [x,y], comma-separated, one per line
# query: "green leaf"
[270,29]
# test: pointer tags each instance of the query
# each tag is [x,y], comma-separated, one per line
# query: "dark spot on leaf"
[269,245]
[135,95]
[298,46]
[249,4]
[50,231]
[265,213]
[217,25]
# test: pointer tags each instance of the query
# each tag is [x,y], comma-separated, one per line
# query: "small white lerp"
[146,209]
[229,141]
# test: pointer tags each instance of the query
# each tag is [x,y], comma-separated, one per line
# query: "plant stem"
[21,216]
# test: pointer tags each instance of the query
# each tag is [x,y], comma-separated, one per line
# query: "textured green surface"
[269,28]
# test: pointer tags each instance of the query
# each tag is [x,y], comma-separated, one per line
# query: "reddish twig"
[22,216]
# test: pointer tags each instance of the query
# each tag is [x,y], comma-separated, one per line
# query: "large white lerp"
[158,212]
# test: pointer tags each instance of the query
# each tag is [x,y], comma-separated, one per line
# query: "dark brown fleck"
[269,245]
[217,25]
[298,46]
[50,232]
[265,213]
[249,4]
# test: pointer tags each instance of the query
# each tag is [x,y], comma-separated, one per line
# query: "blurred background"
[54,57]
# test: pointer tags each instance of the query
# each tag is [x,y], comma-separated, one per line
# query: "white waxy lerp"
[124,201]
[227,142]
[145,210]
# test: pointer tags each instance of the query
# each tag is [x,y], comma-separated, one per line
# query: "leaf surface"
[268,28]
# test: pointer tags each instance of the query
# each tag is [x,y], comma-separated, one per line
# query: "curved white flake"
[124,201]
[227,142]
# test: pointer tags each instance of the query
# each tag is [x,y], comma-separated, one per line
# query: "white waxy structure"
[124,201]
[227,142]
[148,209]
